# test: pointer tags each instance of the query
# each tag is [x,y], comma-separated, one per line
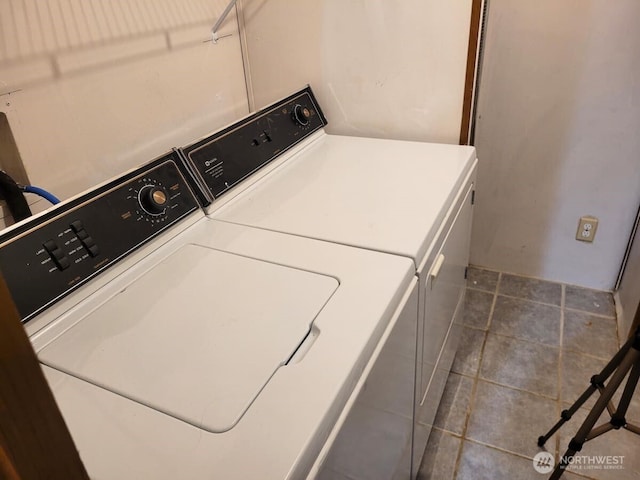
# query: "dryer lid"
[196,337]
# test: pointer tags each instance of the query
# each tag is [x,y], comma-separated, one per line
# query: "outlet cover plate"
[587,229]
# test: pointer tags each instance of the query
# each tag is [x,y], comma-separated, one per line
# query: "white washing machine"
[182,347]
[278,170]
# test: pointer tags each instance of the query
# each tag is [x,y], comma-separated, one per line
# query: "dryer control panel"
[225,158]
[49,256]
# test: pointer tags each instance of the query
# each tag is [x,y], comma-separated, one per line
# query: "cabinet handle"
[437,265]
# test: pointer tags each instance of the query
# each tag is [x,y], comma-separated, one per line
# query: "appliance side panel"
[376,437]
[443,286]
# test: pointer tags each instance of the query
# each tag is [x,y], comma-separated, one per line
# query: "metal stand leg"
[597,383]
[626,360]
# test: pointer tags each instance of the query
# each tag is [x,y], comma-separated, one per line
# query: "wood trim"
[467,103]
[34,440]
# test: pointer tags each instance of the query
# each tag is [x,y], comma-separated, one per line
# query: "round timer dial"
[153,199]
[301,115]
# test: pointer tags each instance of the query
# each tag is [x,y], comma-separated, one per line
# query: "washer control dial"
[301,115]
[153,199]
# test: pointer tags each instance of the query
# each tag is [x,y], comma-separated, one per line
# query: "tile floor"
[528,350]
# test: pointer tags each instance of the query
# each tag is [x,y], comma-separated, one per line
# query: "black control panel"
[225,158]
[51,255]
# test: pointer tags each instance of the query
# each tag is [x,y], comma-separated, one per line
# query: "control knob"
[153,199]
[301,115]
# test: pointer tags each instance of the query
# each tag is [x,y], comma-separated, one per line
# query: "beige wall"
[89,93]
[91,89]
[557,137]
[379,68]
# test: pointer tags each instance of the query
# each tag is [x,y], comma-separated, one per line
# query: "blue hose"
[42,193]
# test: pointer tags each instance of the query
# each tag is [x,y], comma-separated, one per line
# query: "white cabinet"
[443,287]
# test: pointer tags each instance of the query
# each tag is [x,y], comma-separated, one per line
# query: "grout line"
[521,390]
[513,337]
[536,342]
[486,269]
[448,432]
[599,315]
[563,285]
[463,375]
[537,302]
[480,289]
[478,267]
[498,282]
[474,327]
[499,449]
[493,308]
[526,340]
[458,453]
[474,389]
[590,355]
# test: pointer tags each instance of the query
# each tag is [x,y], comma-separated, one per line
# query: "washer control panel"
[48,257]
[225,158]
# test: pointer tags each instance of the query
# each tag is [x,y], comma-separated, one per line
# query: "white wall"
[101,87]
[379,68]
[557,137]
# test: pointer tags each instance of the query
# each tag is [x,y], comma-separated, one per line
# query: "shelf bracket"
[214,30]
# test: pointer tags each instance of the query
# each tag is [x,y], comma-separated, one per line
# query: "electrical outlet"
[587,229]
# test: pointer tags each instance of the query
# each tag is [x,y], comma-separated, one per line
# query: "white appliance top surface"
[196,337]
[364,192]
[283,430]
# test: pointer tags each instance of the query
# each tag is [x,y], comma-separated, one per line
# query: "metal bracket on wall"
[216,27]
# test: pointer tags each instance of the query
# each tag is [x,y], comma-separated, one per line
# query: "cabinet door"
[443,307]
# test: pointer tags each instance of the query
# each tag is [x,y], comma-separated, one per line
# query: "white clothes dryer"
[278,170]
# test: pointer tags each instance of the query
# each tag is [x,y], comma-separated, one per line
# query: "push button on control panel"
[77,226]
[57,255]
[264,137]
[50,246]
[91,246]
[88,243]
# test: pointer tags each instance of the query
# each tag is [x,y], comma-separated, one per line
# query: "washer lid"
[196,337]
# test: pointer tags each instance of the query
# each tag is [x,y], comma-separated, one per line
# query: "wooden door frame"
[34,439]
[470,84]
